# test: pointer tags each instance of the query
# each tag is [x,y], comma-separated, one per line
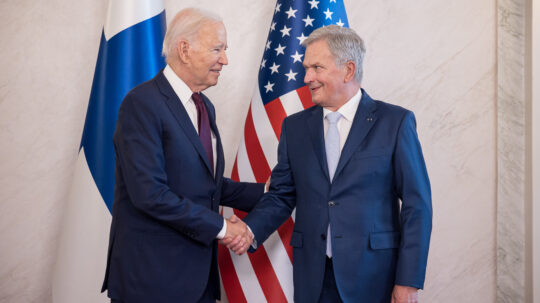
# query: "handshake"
[238,237]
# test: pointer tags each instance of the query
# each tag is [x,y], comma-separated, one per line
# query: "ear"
[183,49]
[350,70]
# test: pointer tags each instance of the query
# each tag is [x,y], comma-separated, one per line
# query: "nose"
[309,76]
[223,58]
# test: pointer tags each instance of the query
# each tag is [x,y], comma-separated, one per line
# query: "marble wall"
[511,147]
[435,57]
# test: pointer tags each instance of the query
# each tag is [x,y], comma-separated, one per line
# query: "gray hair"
[344,44]
[185,26]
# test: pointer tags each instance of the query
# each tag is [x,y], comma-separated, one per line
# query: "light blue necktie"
[331,143]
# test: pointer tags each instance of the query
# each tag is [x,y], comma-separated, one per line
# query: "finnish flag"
[129,54]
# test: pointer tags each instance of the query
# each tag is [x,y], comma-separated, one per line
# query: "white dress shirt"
[347,111]
[184,94]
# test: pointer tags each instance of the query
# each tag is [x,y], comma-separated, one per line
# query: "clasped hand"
[237,238]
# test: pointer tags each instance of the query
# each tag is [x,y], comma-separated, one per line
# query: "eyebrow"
[312,64]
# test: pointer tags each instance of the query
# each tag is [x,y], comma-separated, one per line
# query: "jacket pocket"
[297,239]
[384,240]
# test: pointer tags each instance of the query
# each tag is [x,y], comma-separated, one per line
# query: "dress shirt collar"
[348,110]
[179,86]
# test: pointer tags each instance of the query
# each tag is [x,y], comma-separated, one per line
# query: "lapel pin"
[369,119]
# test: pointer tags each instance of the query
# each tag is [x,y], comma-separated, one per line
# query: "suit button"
[323,236]
[331,203]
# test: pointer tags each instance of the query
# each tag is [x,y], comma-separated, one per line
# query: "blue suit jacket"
[375,245]
[165,213]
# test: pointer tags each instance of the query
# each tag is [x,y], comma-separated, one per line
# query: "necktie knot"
[197,98]
[333,117]
[201,110]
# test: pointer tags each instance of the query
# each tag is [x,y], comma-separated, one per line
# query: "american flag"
[266,275]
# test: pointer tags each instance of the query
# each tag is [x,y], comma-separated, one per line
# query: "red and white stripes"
[267,273]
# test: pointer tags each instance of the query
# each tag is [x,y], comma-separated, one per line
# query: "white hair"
[185,26]
[344,44]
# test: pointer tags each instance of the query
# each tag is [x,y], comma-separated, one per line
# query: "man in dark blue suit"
[169,176]
[345,164]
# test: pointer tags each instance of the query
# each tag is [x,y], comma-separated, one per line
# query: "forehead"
[317,51]
[213,33]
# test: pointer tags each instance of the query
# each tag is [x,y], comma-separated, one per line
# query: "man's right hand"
[237,238]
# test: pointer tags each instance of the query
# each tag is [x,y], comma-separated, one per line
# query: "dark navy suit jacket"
[165,213]
[375,244]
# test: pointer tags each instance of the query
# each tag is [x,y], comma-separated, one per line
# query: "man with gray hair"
[345,164]
[169,176]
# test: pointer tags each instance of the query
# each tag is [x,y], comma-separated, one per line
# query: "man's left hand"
[404,294]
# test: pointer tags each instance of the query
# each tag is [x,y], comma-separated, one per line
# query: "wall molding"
[511,152]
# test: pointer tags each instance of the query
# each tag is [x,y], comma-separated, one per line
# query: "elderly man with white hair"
[345,164]
[169,176]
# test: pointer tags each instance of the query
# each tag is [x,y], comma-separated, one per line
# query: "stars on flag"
[291,76]
[280,50]
[281,68]
[274,68]
[297,57]
[278,8]
[308,21]
[328,14]
[291,13]
[285,31]
[269,86]
[301,38]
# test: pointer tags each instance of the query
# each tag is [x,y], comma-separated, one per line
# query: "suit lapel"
[316,132]
[182,117]
[364,120]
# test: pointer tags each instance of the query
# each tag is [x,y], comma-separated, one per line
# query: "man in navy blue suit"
[345,164]
[169,176]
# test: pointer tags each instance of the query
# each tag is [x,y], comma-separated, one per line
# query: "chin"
[316,101]
[212,83]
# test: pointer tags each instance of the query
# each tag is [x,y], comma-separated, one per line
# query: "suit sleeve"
[241,195]
[278,203]
[138,144]
[413,188]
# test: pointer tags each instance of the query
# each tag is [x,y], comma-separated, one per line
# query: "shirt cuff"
[223,230]
[254,243]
